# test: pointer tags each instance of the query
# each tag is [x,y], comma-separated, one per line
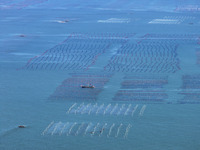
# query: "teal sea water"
[143,57]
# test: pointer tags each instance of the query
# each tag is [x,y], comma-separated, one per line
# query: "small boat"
[88,86]
[21,126]
[21,35]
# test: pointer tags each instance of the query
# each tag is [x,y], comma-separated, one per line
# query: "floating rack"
[106,109]
[88,129]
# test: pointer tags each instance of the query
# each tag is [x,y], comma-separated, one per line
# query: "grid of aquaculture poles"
[144,63]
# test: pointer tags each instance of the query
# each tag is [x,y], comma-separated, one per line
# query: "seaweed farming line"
[141,58]
[169,38]
[115,20]
[133,94]
[165,21]
[88,75]
[88,129]
[106,109]
[144,84]
[145,77]
[180,17]
[103,37]
[140,97]
[190,89]
[187,8]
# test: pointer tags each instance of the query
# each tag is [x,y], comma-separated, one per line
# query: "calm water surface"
[143,57]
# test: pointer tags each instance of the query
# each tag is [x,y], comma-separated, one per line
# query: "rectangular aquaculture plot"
[131,95]
[198,57]
[145,58]
[172,20]
[190,89]
[142,89]
[88,129]
[81,87]
[169,38]
[143,84]
[106,109]
[77,52]
[91,75]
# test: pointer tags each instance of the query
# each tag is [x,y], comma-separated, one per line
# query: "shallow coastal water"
[142,57]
